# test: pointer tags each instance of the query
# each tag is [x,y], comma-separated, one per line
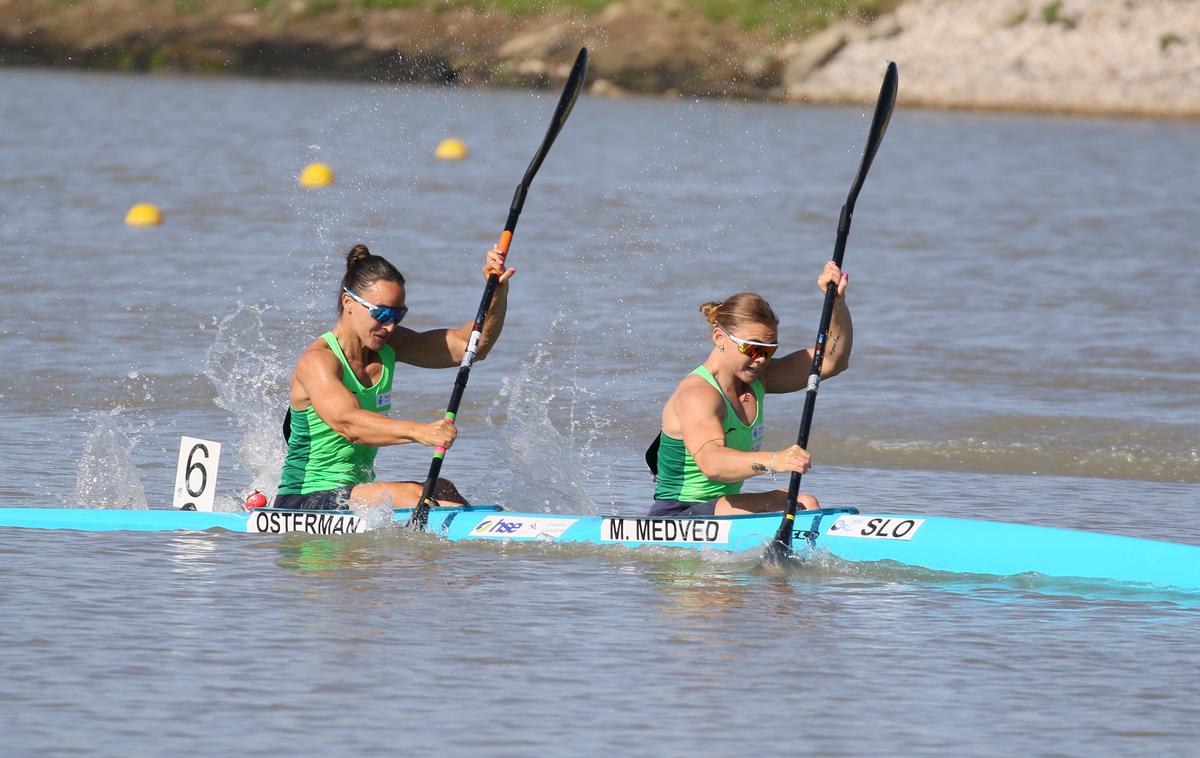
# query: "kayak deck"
[937,543]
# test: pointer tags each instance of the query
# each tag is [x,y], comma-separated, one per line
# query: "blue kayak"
[940,544]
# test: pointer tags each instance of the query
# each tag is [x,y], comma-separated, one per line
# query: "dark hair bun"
[357,255]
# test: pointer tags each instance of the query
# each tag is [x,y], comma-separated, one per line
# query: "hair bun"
[357,255]
[739,309]
[710,312]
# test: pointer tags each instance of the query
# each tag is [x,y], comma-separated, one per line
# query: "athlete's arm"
[317,374]
[444,348]
[699,408]
[790,373]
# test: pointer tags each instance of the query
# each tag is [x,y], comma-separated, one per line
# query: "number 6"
[196,458]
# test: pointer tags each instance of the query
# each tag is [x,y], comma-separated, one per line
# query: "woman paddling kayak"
[342,387]
[712,425]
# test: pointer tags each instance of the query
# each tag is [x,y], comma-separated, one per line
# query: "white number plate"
[196,474]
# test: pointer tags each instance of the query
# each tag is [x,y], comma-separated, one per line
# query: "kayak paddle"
[566,102]
[779,549]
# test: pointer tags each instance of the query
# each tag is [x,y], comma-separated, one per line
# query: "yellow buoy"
[144,214]
[316,175]
[451,150]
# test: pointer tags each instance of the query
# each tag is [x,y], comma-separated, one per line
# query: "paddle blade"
[572,88]
[776,553]
[566,102]
[879,124]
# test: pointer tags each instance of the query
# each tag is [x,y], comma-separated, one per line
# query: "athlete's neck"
[356,352]
[729,384]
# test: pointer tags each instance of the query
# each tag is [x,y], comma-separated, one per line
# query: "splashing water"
[107,477]
[251,384]
[548,471]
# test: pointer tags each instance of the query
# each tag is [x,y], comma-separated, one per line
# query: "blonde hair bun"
[710,312]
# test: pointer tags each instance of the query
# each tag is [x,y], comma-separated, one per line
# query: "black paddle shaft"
[781,546]
[566,102]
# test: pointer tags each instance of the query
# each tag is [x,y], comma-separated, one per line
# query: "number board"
[196,474]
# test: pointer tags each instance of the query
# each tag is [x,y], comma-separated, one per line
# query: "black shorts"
[673,508]
[325,500]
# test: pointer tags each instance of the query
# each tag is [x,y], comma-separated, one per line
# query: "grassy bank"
[701,48]
[780,17]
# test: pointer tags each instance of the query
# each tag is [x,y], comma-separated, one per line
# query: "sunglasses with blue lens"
[381,313]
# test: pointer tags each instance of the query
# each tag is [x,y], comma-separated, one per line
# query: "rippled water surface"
[1026,349]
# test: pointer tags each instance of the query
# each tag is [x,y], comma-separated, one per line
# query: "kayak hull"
[936,543]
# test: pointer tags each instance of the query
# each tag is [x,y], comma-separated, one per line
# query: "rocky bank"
[1118,57]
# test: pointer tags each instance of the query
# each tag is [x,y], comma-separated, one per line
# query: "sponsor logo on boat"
[315,522]
[510,527]
[690,530]
[875,527]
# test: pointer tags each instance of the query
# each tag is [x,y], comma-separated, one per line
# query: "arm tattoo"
[758,468]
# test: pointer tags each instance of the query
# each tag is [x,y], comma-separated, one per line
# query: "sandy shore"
[1076,56]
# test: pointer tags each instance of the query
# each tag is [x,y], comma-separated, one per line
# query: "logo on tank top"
[383,400]
[756,435]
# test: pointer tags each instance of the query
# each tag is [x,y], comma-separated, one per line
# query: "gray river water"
[1025,299]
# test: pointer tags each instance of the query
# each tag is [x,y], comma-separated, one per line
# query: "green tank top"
[679,478]
[318,458]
